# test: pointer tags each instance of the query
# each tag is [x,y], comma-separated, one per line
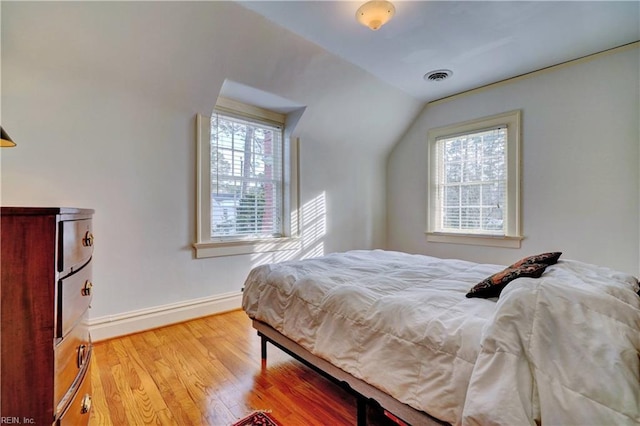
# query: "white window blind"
[471,174]
[474,182]
[246,178]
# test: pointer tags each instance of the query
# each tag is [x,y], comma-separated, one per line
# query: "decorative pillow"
[544,258]
[493,285]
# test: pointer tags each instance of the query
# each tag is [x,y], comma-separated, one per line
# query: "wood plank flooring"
[208,372]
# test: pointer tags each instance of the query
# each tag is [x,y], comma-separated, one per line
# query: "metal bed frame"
[365,393]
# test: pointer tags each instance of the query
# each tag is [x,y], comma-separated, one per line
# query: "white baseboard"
[111,326]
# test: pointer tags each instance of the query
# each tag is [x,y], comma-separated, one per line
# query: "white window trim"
[513,235]
[204,245]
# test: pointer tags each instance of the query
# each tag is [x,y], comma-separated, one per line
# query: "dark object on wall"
[5,139]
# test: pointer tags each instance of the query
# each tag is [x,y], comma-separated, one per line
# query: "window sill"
[234,248]
[476,240]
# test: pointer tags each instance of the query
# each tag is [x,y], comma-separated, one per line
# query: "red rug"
[258,418]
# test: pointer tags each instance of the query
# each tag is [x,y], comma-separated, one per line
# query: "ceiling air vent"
[438,75]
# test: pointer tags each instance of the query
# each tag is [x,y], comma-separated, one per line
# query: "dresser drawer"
[71,360]
[78,411]
[75,244]
[74,296]
[39,366]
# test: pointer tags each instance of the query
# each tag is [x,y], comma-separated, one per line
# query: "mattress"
[402,323]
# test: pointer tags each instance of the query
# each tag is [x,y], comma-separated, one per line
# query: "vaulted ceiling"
[481,42]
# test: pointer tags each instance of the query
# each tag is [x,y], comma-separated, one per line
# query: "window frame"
[512,234]
[205,246]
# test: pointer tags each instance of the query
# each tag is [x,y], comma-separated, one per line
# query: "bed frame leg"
[362,410]
[263,349]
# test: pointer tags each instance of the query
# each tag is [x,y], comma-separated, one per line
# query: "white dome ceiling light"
[374,14]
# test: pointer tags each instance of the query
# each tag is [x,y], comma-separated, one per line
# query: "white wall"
[580,164]
[101,98]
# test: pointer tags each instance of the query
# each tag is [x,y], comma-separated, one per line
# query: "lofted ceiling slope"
[481,42]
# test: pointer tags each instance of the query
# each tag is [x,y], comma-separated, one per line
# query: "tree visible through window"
[474,182]
[246,178]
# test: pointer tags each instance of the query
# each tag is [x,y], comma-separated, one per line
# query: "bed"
[400,329]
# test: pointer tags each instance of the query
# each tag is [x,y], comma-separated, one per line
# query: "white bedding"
[561,349]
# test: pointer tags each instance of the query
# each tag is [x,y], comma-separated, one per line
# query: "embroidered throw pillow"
[544,258]
[493,285]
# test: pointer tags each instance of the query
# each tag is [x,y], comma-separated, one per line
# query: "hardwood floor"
[208,372]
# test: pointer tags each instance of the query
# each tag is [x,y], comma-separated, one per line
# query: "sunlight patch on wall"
[313,227]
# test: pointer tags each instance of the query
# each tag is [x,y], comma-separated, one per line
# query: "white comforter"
[562,349]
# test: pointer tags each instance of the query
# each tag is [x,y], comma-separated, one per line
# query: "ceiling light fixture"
[374,14]
[5,139]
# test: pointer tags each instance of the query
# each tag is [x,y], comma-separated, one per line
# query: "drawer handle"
[86,404]
[87,241]
[82,350]
[86,290]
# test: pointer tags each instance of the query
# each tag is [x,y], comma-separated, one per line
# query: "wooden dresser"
[45,266]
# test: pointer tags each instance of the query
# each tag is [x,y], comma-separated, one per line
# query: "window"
[246,178]
[244,197]
[474,182]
